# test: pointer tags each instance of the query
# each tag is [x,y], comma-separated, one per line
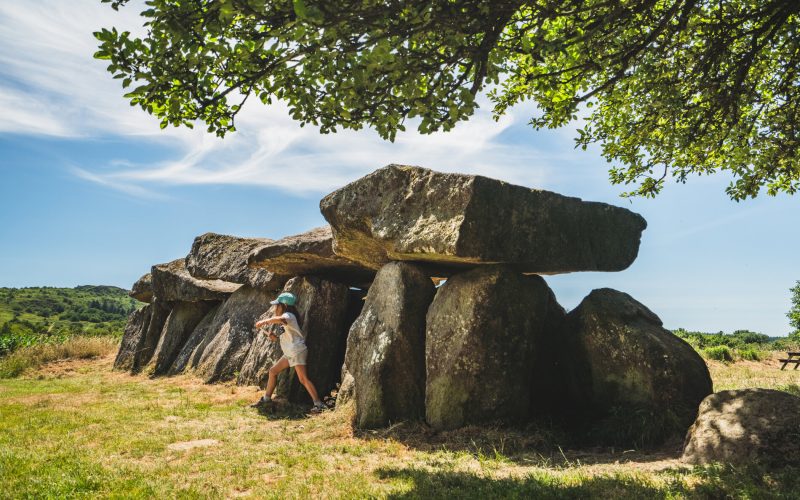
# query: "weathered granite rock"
[347,388]
[133,338]
[227,339]
[262,355]
[323,307]
[192,349]
[481,339]
[147,345]
[181,322]
[142,290]
[745,426]
[222,257]
[309,253]
[623,361]
[173,283]
[386,347]
[455,220]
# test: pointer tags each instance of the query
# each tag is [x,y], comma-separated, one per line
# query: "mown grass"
[75,428]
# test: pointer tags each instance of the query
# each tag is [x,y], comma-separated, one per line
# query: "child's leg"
[302,375]
[278,367]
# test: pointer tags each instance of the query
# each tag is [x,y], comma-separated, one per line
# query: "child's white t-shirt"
[292,339]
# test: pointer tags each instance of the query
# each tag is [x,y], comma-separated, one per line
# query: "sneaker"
[262,403]
[318,407]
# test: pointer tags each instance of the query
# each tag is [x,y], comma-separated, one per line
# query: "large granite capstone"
[222,257]
[454,220]
[173,283]
[142,290]
[309,253]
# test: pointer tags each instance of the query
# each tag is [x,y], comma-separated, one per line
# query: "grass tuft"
[32,357]
[749,354]
[718,353]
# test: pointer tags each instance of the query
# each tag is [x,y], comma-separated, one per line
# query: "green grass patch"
[92,432]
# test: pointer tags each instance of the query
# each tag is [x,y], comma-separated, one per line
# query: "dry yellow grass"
[745,374]
[33,357]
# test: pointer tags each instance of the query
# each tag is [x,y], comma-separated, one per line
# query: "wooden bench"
[793,357]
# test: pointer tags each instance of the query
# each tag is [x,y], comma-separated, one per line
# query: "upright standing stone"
[453,220]
[133,338]
[192,349]
[262,355]
[230,334]
[481,341]
[182,320]
[386,347]
[158,315]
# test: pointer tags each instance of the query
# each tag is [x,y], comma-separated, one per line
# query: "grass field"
[75,428]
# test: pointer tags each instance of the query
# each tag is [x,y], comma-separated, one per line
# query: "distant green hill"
[43,314]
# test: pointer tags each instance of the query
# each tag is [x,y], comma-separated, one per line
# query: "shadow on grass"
[535,445]
[706,482]
[284,410]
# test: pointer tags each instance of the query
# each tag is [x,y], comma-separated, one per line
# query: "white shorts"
[298,358]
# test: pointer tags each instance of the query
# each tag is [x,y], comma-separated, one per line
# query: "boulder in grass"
[386,347]
[451,221]
[745,426]
[133,338]
[626,368]
[181,322]
[173,283]
[309,253]
[222,257]
[482,331]
[142,290]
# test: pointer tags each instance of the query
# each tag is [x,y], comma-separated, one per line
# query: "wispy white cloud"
[52,86]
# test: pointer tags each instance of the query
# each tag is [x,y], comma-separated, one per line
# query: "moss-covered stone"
[482,333]
[625,367]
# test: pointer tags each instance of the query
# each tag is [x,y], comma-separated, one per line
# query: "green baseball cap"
[285,298]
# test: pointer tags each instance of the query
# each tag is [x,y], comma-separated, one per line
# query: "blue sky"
[93,192]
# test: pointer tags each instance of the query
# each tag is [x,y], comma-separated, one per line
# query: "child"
[293,345]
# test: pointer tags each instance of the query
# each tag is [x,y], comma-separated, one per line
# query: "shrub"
[34,356]
[718,353]
[749,354]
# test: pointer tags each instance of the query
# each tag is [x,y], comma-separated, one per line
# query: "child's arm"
[275,320]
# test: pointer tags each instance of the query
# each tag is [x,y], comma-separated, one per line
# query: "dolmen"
[490,345]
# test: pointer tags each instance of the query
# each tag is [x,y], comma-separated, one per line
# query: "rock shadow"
[544,445]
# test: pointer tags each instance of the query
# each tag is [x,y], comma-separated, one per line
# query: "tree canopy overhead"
[668,88]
